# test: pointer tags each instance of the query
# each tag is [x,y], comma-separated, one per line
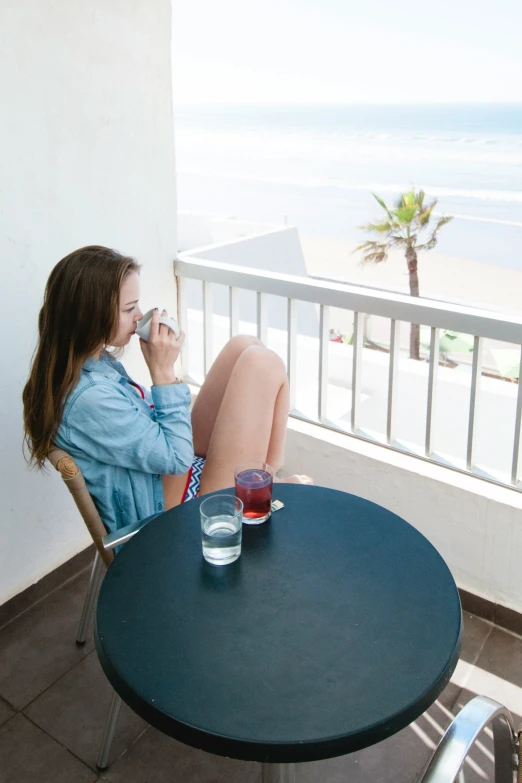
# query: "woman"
[142,452]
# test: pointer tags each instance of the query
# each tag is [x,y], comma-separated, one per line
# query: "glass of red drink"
[253,481]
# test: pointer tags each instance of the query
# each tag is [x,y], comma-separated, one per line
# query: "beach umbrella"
[455,342]
[507,362]
[450,342]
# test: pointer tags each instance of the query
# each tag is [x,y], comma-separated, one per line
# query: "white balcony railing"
[482,324]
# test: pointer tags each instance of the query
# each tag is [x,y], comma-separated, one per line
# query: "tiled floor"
[54,699]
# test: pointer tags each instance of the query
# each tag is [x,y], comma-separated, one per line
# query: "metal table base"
[278,773]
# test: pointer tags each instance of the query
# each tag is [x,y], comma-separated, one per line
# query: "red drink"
[254,488]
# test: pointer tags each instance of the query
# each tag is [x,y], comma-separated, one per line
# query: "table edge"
[283,752]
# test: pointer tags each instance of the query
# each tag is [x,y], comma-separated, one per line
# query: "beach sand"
[441,277]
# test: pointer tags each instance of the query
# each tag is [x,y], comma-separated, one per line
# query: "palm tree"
[401,228]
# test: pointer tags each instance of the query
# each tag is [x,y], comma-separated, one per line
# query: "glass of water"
[221,526]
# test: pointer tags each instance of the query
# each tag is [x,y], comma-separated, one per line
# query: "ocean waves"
[503,196]
[406,150]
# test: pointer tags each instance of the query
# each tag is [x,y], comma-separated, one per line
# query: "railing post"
[393,379]
[207,326]
[474,400]
[292,347]
[432,389]
[262,317]
[518,426]
[324,343]
[358,336]
[233,310]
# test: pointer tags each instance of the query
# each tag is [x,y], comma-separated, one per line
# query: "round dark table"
[338,626]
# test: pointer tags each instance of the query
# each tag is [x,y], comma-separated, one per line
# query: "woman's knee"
[241,342]
[260,360]
[235,348]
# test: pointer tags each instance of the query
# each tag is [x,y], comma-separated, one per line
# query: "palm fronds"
[403,223]
[374,252]
[380,201]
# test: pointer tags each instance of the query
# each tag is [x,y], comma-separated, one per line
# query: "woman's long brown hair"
[79,314]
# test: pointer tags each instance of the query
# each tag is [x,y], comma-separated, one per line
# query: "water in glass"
[221,540]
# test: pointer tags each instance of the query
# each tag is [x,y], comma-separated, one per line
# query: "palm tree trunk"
[411,259]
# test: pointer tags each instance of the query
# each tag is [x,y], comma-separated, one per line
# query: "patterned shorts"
[194,479]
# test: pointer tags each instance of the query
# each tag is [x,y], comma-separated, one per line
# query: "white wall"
[476,526]
[200,230]
[276,250]
[87,158]
[197,230]
[273,250]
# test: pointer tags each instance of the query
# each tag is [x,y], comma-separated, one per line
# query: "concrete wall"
[200,230]
[476,526]
[87,157]
[274,250]
[197,230]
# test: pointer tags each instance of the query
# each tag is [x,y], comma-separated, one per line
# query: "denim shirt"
[123,444]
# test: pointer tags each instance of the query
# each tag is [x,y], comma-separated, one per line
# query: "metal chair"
[450,755]
[105,543]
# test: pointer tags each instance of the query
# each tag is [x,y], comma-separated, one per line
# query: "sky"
[346,51]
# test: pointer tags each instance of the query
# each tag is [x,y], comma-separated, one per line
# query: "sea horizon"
[317,166]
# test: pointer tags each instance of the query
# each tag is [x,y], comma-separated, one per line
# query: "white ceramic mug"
[143,326]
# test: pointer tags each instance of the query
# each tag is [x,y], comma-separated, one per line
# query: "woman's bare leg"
[208,402]
[251,421]
[173,489]
[205,410]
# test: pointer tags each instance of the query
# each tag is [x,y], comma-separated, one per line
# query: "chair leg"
[90,599]
[108,733]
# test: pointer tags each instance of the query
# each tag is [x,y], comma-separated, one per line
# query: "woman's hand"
[161,351]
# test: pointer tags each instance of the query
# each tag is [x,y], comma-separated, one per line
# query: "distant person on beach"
[142,452]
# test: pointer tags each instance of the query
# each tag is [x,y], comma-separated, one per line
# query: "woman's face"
[129,312]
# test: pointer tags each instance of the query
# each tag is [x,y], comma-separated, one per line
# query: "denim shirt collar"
[106,366]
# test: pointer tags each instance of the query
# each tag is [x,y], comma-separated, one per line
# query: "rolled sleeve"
[168,396]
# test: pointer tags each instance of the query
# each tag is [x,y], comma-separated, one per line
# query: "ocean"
[316,167]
